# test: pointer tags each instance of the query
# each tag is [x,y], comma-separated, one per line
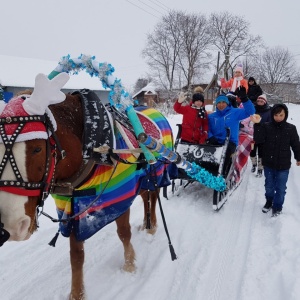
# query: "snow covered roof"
[149,88]
[21,72]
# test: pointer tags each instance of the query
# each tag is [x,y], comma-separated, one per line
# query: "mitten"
[241,93]
[182,97]
[212,141]
[255,118]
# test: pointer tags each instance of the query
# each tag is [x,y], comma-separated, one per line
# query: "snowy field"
[238,253]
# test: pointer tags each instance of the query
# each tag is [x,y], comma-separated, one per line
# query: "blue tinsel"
[203,176]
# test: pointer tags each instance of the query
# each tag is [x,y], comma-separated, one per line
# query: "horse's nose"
[4,234]
[19,230]
[22,229]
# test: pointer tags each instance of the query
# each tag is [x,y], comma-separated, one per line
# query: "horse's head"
[27,156]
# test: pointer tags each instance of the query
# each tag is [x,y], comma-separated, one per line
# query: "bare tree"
[277,70]
[194,55]
[140,83]
[230,34]
[177,49]
[162,50]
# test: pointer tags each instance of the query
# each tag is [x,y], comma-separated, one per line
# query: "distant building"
[18,74]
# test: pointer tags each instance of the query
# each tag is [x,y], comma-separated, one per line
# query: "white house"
[18,73]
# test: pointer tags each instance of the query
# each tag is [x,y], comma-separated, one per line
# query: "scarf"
[236,83]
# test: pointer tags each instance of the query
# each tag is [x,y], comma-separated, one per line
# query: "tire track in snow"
[228,260]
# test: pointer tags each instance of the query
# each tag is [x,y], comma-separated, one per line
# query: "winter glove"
[255,118]
[241,93]
[212,141]
[182,97]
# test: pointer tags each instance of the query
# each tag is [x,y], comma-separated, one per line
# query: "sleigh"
[212,159]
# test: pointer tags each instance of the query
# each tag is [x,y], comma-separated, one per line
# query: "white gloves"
[45,92]
[182,97]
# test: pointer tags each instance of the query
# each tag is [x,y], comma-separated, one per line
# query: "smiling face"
[198,103]
[222,105]
[237,74]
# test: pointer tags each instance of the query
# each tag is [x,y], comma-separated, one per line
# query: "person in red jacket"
[194,122]
[235,82]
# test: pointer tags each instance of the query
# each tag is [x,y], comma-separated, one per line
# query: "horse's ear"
[45,92]
[2,105]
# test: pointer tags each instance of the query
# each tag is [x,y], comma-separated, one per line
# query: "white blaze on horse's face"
[12,207]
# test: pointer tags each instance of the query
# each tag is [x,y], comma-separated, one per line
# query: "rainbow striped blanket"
[110,191]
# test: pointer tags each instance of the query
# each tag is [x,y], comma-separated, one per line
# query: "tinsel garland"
[121,99]
[206,178]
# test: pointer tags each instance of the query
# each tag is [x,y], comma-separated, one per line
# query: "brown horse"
[32,162]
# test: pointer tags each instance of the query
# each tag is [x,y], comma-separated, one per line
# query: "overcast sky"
[115,30]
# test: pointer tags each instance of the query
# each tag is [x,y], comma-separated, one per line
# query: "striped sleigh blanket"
[115,186]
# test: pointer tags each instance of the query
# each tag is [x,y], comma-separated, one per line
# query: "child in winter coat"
[263,109]
[235,82]
[278,138]
[194,122]
[254,90]
[225,117]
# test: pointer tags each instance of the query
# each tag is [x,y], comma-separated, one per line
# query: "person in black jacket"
[254,90]
[278,138]
[263,109]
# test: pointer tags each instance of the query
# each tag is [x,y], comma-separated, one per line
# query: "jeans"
[275,185]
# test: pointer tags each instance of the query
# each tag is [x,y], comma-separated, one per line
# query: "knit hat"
[239,68]
[263,97]
[251,79]
[222,98]
[197,97]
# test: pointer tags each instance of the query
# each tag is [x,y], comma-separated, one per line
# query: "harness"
[19,186]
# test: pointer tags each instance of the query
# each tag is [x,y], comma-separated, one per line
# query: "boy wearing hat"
[262,109]
[194,121]
[278,138]
[225,117]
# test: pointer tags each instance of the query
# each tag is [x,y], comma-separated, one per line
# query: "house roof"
[148,89]
[21,72]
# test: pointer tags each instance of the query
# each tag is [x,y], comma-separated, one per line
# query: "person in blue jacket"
[229,117]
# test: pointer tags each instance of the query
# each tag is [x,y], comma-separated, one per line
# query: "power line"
[165,8]
[151,7]
[143,9]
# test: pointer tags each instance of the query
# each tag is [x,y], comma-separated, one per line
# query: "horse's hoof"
[129,268]
[152,230]
[81,296]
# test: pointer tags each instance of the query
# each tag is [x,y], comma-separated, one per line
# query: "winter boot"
[267,206]
[276,212]
[259,173]
[254,164]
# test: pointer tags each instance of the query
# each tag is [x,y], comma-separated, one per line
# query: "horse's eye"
[37,150]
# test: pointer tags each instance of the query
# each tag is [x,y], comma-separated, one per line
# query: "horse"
[44,147]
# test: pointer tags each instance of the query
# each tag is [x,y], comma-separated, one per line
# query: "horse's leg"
[152,209]
[124,233]
[77,260]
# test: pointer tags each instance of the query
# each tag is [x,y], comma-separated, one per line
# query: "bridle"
[39,189]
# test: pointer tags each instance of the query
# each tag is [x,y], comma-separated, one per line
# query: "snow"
[238,253]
